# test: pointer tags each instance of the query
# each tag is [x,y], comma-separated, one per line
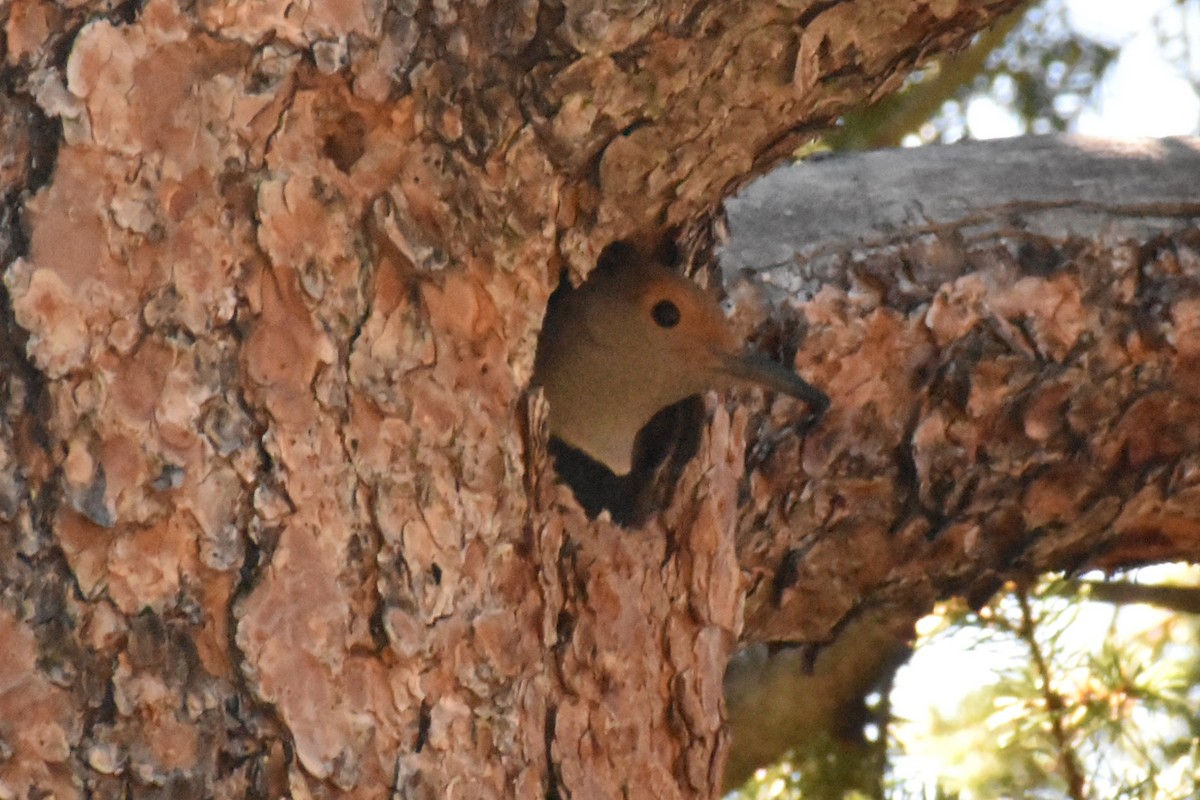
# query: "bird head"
[633,339]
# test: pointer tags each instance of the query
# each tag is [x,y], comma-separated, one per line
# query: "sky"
[1143,94]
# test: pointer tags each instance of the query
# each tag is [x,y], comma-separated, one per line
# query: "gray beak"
[757,368]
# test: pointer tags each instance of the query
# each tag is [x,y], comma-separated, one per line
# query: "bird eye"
[665,313]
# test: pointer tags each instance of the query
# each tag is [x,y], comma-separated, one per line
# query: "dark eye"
[665,313]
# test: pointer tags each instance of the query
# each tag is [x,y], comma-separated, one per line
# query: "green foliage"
[1079,699]
[1044,74]
[827,769]
[1077,707]
[1031,64]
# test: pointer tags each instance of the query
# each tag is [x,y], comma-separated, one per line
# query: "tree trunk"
[277,513]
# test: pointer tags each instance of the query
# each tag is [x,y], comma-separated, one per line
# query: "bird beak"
[756,368]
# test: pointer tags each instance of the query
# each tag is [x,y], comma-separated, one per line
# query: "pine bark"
[277,514]
[1008,331]
[1013,351]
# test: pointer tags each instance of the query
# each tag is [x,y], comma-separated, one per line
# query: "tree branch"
[1007,332]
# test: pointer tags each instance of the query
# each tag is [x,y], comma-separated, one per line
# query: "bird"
[622,361]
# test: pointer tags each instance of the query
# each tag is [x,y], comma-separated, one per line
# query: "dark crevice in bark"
[423,722]
[34,569]
[815,10]
[553,780]
[127,12]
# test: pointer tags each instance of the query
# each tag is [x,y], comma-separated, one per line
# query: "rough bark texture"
[1009,334]
[1014,358]
[276,513]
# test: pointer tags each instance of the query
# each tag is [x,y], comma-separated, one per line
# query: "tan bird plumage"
[633,339]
